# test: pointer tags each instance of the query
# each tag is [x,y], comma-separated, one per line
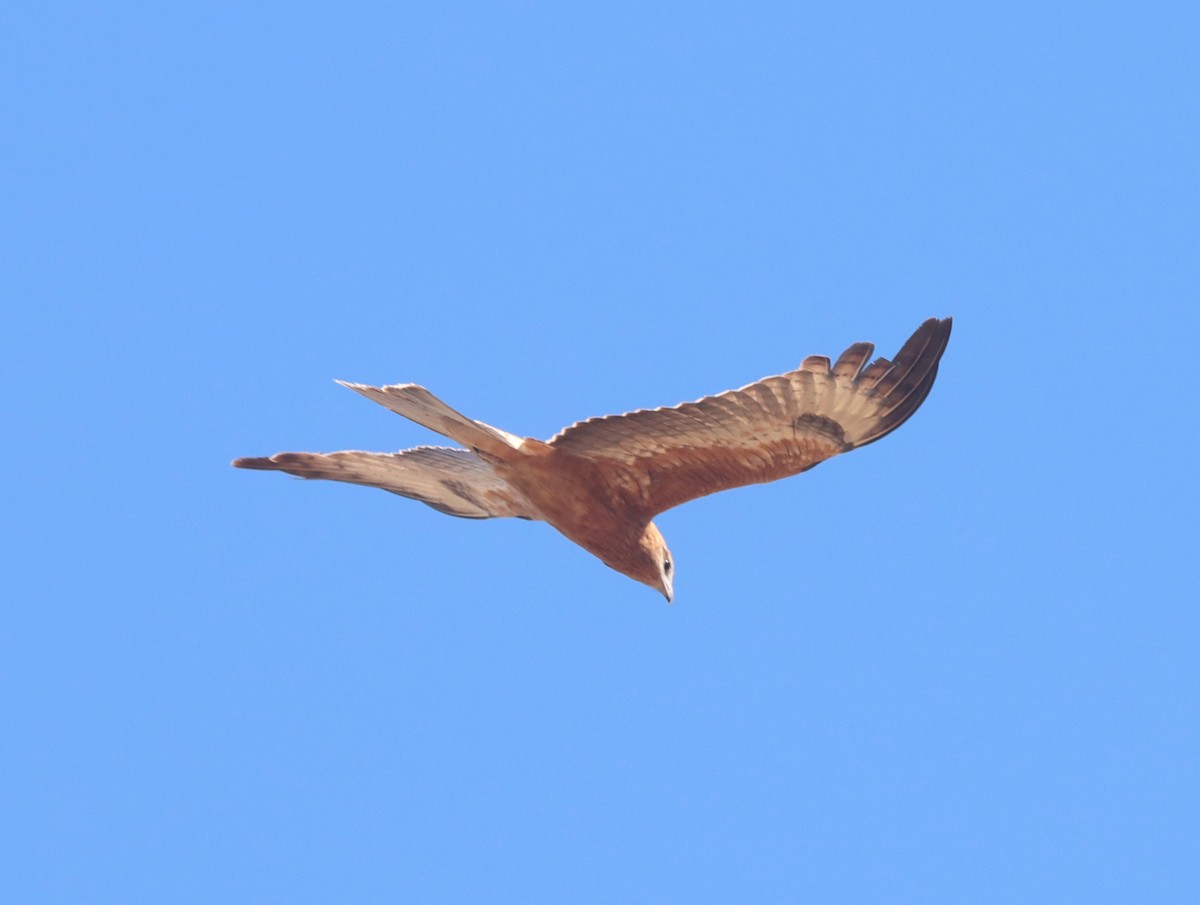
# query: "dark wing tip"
[904,386]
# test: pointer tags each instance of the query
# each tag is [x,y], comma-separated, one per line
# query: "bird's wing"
[771,429]
[454,481]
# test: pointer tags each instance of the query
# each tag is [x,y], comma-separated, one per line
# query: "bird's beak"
[668,592]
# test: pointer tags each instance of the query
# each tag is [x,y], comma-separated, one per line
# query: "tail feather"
[418,404]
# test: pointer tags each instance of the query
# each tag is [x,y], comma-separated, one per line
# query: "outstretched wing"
[453,481]
[777,427]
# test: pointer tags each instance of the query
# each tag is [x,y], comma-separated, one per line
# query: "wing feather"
[773,428]
[852,360]
[453,481]
[874,371]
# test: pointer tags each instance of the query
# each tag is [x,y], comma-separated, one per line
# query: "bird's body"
[600,482]
[572,495]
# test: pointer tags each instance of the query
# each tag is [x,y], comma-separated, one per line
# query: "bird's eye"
[667,566]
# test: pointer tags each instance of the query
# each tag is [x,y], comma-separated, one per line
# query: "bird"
[601,482]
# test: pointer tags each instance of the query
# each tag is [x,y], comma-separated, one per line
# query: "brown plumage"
[600,482]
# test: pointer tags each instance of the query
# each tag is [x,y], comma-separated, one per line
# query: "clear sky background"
[957,666]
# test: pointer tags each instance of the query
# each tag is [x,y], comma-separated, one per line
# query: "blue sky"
[956,666]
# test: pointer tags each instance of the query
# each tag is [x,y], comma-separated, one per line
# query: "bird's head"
[655,566]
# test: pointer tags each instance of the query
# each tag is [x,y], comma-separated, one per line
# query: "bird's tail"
[418,404]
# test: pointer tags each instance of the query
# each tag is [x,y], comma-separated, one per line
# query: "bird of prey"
[600,482]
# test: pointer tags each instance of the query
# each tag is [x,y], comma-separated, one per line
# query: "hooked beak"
[668,592]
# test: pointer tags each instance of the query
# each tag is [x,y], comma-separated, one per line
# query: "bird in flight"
[600,482]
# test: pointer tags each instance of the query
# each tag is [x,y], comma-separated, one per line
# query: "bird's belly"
[569,499]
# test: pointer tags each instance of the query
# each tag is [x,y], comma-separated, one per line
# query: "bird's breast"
[574,496]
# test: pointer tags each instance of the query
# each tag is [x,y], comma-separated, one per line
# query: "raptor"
[601,482]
